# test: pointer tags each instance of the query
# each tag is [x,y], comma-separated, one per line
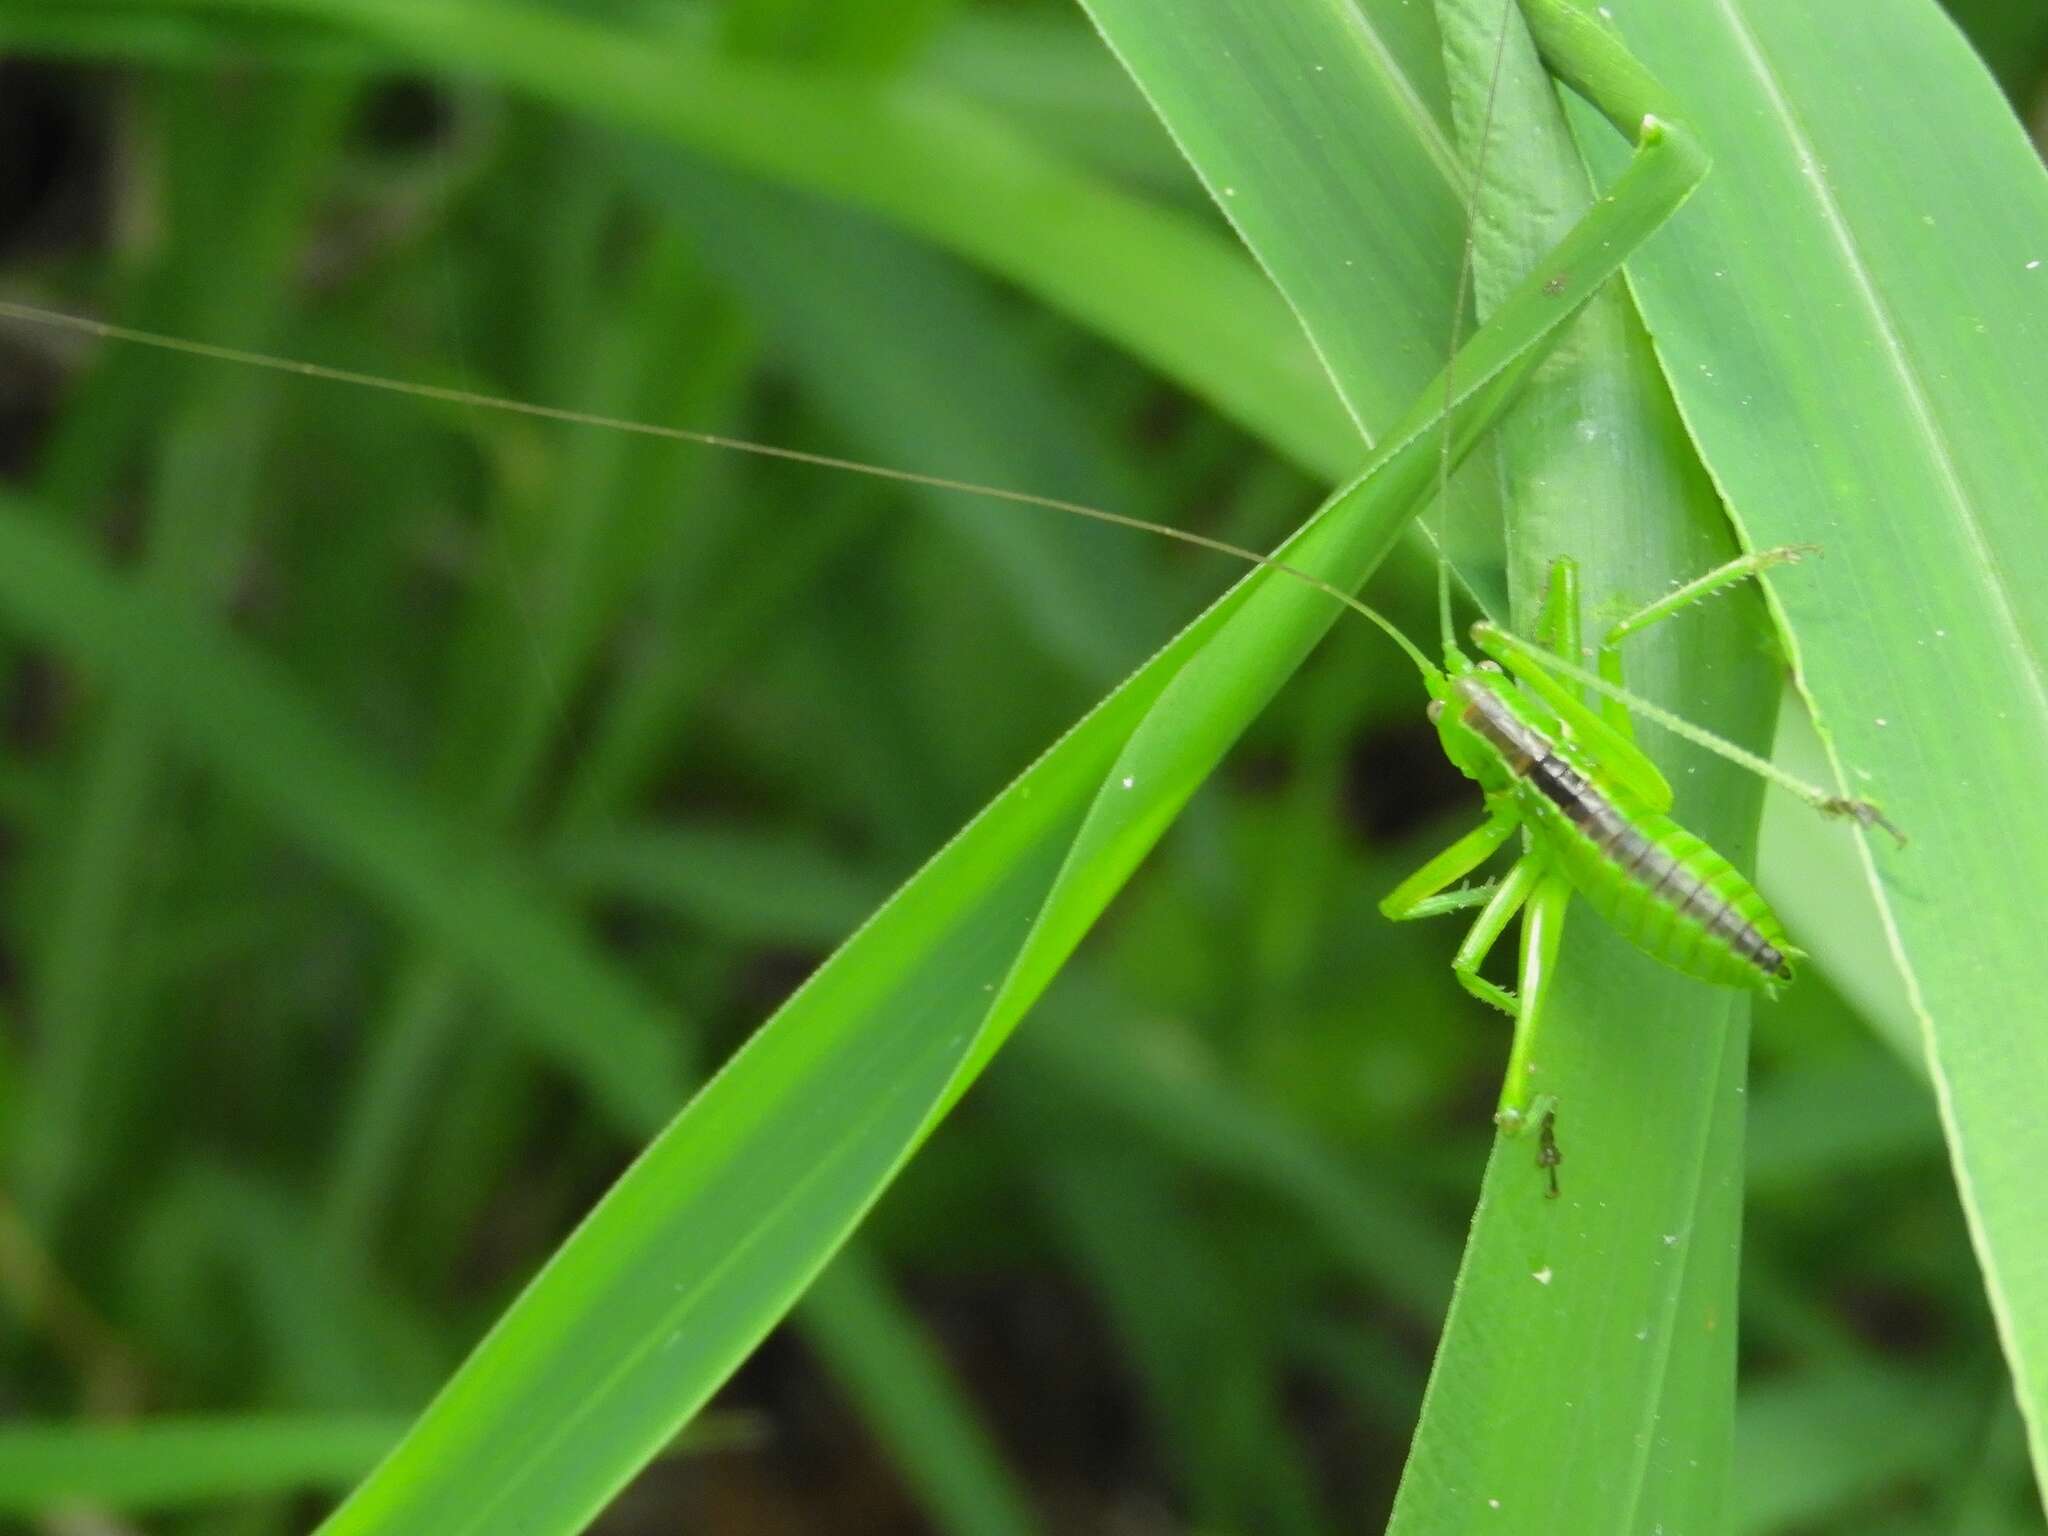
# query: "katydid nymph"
[1541,707]
[1592,807]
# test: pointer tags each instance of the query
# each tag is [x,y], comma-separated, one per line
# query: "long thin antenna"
[473,400]
[1466,262]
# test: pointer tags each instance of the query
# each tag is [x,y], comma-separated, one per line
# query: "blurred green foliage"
[272,1151]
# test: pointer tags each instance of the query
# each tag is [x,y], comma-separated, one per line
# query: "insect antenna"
[472,399]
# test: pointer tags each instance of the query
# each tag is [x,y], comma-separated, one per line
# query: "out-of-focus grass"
[271,1150]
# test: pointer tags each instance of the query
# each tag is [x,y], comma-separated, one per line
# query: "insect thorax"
[1489,732]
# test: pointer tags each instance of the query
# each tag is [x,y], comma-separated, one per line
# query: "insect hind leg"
[1689,595]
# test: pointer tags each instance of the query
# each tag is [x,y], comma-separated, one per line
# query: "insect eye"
[1490,666]
[1435,710]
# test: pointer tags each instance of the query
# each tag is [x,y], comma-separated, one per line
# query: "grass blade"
[162,1464]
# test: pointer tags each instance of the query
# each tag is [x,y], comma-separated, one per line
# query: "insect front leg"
[1423,893]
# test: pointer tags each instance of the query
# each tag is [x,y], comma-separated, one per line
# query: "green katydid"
[1615,800]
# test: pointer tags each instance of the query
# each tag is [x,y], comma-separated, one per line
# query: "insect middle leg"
[1521,1107]
[1540,894]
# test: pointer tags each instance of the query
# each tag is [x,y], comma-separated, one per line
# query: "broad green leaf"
[1319,130]
[1853,323]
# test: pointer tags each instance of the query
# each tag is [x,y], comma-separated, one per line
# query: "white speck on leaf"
[1129,781]
[1544,1275]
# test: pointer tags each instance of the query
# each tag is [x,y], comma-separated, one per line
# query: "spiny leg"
[1542,929]
[1507,899]
[1622,760]
[1422,894]
[1721,577]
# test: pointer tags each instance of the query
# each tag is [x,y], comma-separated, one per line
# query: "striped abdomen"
[1664,889]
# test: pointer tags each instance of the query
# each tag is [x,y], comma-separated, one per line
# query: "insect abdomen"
[1662,888]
